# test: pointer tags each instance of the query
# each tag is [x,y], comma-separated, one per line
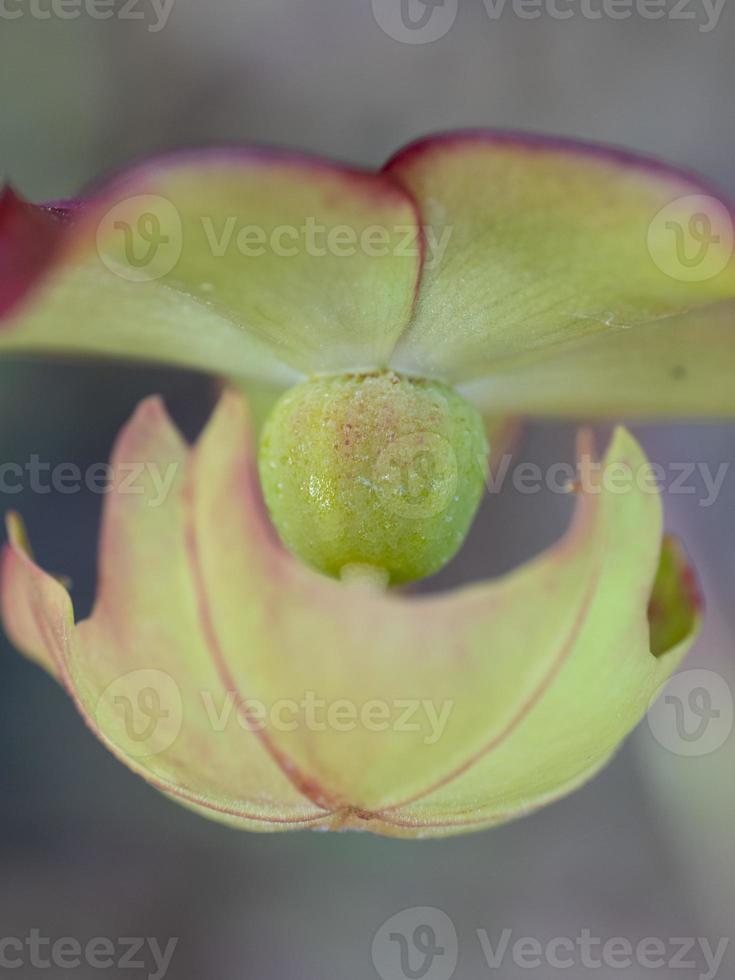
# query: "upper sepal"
[247,263]
[475,258]
[550,244]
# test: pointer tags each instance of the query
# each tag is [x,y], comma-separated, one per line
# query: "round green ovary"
[376,470]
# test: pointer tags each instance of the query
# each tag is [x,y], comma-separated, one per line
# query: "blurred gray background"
[87,849]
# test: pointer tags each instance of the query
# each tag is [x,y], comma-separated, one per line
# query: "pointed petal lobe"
[140,668]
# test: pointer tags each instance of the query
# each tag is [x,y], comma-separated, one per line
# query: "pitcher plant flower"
[248,653]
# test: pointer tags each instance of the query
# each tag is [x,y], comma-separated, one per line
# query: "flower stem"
[364,576]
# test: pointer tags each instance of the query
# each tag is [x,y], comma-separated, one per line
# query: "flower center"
[373,470]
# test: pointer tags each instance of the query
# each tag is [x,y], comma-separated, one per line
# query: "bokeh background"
[87,849]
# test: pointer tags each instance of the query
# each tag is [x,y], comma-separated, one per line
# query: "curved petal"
[241,262]
[139,669]
[245,685]
[602,690]
[675,367]
[411,714]
[543,243]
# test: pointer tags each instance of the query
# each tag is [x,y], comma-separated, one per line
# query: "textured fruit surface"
[376,469]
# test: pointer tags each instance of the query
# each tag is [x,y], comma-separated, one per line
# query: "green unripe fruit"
[377,470]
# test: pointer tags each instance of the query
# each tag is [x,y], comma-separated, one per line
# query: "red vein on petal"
[495,818]
[589,506]
[306,785]
[163,785]
[422,247]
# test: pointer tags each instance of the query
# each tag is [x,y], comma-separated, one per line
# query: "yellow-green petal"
[557,655]
[244,263]
[350,706]
[676,367]
[539,244]
[138,668]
